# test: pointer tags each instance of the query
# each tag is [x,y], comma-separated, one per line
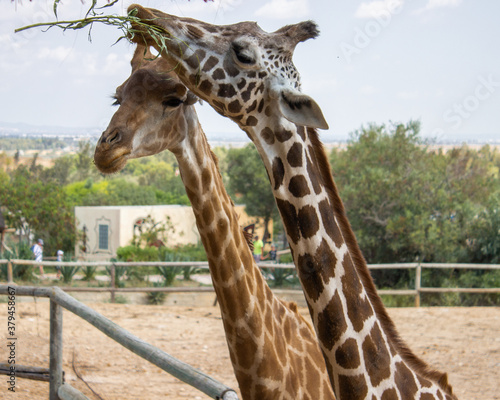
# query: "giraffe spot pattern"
[234,107]
[352,387]
[255,324]
[272,367]
[206,180]
[252,107]
[193,197]
[219,106]
[223,229]
[268,136]
[312,173]
[301,131]
[207,213]
[377,358]
[194,79]
[230,68]
[315,271]
[251,121]
[261,105]
[405,381]
[314,376]
[210,63]
[427,396]
[264,392]
[194,32]
[298,186]
[196,58]
[241,83]
[331,322]
[359,309]
[289,217]
[219,74]
[283,135]
[247,348]
[308,221]
[294,155]
[390,394]
[205,87]
[278,172]
[226,90]
[347,355]
[424,382]
[245,95]
[329,223]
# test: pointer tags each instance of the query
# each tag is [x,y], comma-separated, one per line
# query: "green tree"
[381,177]
[161,175]
[484,234]
[60,172]
[249,184]
[40,209]
[84,161]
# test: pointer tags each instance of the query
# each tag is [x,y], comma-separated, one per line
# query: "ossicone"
[300,32]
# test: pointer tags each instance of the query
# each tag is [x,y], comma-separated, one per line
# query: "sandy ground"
[465,342]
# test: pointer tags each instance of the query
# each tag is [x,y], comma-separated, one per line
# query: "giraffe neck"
[365,356]
[273,350]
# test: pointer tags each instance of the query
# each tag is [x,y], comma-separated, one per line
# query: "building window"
[103,237]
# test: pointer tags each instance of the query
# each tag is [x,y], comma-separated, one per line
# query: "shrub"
[68,273]
[156,298]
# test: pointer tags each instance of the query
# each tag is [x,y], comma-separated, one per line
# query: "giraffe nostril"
[113,137]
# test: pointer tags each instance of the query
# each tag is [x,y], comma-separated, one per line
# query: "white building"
[106,228]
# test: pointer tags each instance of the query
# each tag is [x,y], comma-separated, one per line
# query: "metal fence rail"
[417,291]
[59,300]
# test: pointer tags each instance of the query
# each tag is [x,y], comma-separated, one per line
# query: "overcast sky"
[375,61]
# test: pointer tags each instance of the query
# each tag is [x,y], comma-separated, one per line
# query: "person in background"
[60,254]
[271,255]
[37,250]
[257,249]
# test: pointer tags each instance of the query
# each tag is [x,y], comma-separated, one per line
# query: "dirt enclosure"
[465,342]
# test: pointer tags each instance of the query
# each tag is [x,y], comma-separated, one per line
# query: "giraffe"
[248,75]
[273,349]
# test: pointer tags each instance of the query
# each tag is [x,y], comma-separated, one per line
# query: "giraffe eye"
[172,102]
[242,55]
[116,101]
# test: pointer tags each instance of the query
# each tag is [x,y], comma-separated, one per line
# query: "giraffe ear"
[191,98]
[301,109]
[141,52]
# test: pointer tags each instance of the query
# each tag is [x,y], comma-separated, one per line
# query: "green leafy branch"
[130,25]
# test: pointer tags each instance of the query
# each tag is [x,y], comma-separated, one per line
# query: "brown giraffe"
[274,351]
[247,75]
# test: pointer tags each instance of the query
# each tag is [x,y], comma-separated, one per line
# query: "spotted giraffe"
[247,74]
[274,351]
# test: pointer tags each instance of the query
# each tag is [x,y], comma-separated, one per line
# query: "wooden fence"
[417,291]
[60,390]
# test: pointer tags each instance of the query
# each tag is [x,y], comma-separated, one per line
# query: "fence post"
[418,277]
[10,277]
[56,350]
[113,286]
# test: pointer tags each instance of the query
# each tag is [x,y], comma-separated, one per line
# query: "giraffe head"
[153,113]
[245,73]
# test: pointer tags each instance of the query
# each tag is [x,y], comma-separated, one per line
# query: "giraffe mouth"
[108,165]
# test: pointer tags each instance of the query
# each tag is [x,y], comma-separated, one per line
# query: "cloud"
[376,9]
[409,95]
[59,53]
[433,4]
[283,9]
[368,90]
[193,8]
